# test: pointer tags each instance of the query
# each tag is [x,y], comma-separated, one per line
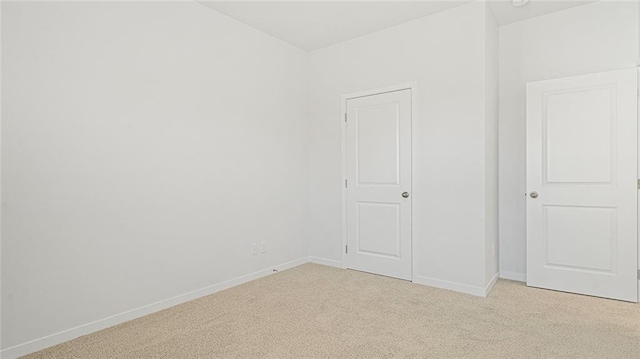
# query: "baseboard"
[69,334]
[456,287]
[520,277]
[326,262]
[491,284]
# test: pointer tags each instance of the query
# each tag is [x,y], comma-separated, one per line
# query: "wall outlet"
[254,249]
[263,247]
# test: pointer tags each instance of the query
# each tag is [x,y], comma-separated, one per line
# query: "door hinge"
[639,184]
[345,183]
[346,250]
[638,274]
[345,117]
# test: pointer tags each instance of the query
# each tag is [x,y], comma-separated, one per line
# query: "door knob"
[534,194]
[405,194]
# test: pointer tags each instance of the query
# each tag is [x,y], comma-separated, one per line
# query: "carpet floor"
[314,311]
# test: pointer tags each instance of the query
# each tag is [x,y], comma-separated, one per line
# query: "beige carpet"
[314,311]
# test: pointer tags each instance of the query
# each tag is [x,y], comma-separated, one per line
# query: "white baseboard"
[520,277]
[72,333]
[456,287]
[491,284]
[326,262]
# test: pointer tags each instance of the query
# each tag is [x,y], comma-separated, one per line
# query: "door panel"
[378,172]
[378,231]
[580,237]
[378,147]
[579,156]
[582,164]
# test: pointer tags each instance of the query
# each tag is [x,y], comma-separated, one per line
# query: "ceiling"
[311,25]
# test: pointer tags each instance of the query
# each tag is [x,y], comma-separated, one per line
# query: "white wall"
[445,54]
[491,147]
[145,147]
[592,38]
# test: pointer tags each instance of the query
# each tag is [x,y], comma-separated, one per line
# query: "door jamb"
[343,112]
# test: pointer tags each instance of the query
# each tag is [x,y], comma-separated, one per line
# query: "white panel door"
[582,152]
[379,184]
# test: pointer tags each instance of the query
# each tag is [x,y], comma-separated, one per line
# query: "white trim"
[413,86]
[343,155]
[72,333]
[414,233]
[520,277]
[380,90]
[491,284]
[325,262]
[456,287]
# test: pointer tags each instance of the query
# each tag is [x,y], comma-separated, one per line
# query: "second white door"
[582,156]
[379,184]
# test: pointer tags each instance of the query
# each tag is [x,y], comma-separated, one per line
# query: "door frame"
[343,112]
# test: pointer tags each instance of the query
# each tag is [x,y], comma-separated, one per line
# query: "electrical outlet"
[254,249]
[263,247]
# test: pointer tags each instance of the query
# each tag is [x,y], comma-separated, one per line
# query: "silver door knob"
[405,194]
[534,194]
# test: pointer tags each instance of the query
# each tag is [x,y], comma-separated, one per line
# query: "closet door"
[379,184]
